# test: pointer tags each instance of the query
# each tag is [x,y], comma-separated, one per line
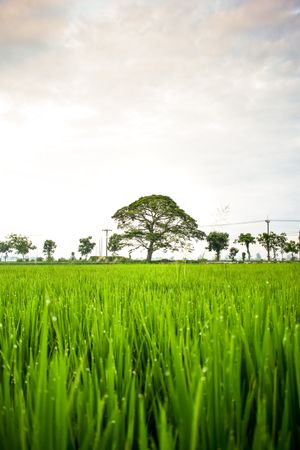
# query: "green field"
[150,356]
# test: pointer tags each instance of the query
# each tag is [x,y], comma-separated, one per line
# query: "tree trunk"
[150,252]
[218,255]
[248,252]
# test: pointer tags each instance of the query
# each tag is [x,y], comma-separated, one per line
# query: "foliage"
[49,249]
[246,239]
[5,248]
[244,256]
[21,244]
[233,251]
[86,246]
[282,241]
[217,241]
[155,222]
[145,357]
[291,247]
[115,243]
[272,241]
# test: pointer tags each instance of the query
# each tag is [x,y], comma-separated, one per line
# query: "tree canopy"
[49,248]
[217,241]
[21,244]
[86,246]
[155,222]
[5,249]
[246,239]
[292,247]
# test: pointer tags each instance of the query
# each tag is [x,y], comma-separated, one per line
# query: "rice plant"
[150,357]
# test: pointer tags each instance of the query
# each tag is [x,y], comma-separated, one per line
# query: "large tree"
[246,239]
[155,222]
[217,241]
[49,248]
[21,244]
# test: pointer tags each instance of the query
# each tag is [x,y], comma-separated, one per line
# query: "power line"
[229,224]
[248,222]
[285,220]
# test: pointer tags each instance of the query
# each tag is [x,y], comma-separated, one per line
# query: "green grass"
[160,357]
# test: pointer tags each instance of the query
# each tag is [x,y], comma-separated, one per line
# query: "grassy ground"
[163,357]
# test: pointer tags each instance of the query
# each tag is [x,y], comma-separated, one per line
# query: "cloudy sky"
[104,101]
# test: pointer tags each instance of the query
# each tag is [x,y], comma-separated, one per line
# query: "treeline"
[22,245]
[217,242]
[273,243]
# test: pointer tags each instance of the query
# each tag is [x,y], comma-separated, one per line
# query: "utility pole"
[268,241]
[106,239]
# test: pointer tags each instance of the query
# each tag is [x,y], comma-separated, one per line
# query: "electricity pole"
[106,239]
[268,239]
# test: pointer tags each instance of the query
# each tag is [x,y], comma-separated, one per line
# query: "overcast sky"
[104,101]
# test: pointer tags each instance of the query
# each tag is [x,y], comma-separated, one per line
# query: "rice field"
[150,357]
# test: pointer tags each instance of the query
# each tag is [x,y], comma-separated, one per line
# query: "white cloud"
[100,104]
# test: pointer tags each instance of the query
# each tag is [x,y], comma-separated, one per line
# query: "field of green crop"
[150,356]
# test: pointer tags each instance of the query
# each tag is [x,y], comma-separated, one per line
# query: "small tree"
[246,239]
[233,251]
[21,244]
[244,256]
[49,249]
[86,246]
[115,243]
[282,241]
[217,241]
[270,241]
[291,247]
[274,244]
[5,249]
[264,241]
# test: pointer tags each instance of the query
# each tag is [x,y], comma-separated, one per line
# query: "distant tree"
[21,244]
[72,257]
[86,246]
[115,243]
[274,244]
[5,249]
[282,241]
[217,241]
[291,247]
[49,249]
[246,239]
[155,222]
[270,241]
[233,251]
[244,256]
[264,240]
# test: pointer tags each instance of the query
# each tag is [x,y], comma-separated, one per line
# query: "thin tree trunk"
[248,251]
[150,252]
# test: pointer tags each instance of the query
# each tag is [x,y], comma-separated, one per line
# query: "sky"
[102,102]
